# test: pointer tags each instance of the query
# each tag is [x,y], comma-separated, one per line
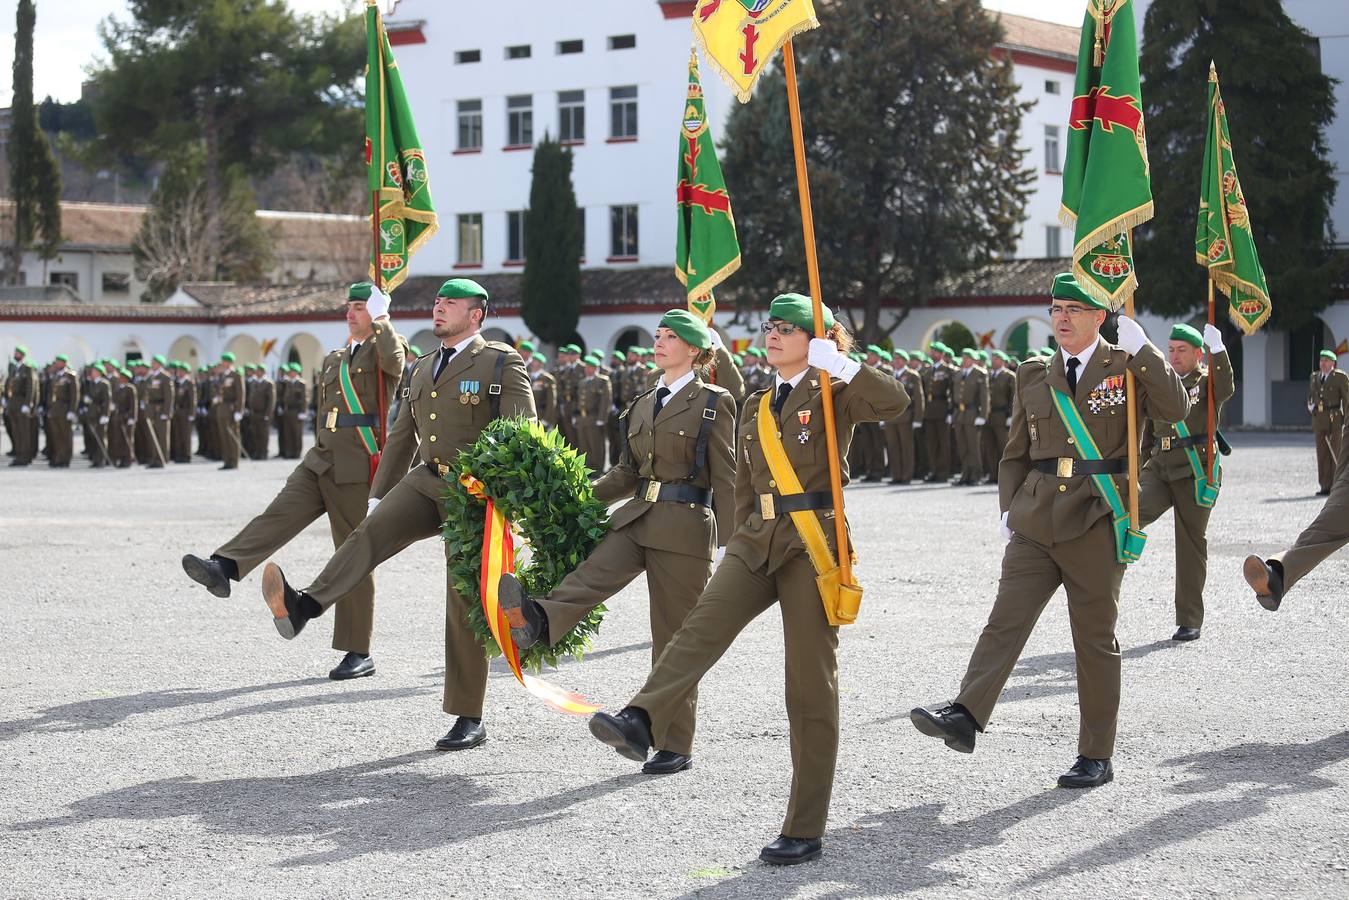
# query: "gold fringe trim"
[1227,282]
[715,65]
[707,286]
[1118,225]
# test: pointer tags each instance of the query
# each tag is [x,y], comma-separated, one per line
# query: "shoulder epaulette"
[715,388]
[502,346]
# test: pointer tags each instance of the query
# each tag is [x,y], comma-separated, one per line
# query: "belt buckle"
[767,509]
[1166,443]
[331,424]
[1065,469]
[651,493]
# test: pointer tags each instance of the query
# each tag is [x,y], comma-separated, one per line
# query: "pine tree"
[1279,104]
[553,247]
[911,127]
[35,180]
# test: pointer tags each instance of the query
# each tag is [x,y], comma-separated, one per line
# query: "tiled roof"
[1024,33]
[1005,279]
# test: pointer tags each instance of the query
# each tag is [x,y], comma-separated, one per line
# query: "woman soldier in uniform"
[766,562]
[677,468]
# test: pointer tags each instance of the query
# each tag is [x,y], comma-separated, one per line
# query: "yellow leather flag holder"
[841,601]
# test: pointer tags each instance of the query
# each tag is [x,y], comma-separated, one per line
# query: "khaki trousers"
[937,436]
[674,582]
[1155,497]
[407,515]
[734,597]
[304,498]
[180,439]
[871,438]
[591,443]
[994,440]
[899,449]
[1031,573]
[971,451]
[60,439]
[1327,533]
[23,428]
[1327,455]
[227,432]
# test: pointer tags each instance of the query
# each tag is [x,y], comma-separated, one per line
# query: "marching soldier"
[767,563]
[544,387]
[21,397]
[594,396]
[453,394]
[971,406]
[122,422]
[1175,475]
[227,411]
[1001,395]
[261,404]
[1062,512]
[937,413]
[1327,401]
[184,408]
[333,479]
[98,413]
[158,411]
[63,402]
[900,431]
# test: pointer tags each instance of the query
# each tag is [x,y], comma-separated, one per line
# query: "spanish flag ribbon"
[498,558]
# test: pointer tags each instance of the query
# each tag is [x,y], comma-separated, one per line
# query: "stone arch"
[1025,333]
[77,348]
[425,340]
[493,334]
[187,349]
[631,335]
[305,349]
[245,348]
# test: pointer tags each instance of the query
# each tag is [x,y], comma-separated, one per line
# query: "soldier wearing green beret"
[293,403]
[869,437]
[678,459]
[334,478]
[569,375]
[544,387]
[184,409]
[766,564]
[261,408]
[970,408]
[594,397]
[62,412]
[453,394]
[98,414]
[1175,474]
[227,411]
[901,432]
[1328,403]
[158,398]
[1060,493]
[122,421]
[1001,399]
[937,411]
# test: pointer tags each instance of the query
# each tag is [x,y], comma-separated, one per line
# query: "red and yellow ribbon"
[498,558]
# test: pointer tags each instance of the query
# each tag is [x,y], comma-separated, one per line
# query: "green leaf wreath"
[540,484]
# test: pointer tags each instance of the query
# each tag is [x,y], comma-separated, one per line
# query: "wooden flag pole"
[1212,414]
[374,229]
[1131,393]
[813,272]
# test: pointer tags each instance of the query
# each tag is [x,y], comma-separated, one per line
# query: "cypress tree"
[553,247]
[35,179]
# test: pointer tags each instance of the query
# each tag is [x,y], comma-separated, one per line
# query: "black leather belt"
[335,420]
[773,505]
[1180,443]
[659,492]
[1068,466]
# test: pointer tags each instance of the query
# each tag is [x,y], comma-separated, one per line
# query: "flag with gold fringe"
[739,37]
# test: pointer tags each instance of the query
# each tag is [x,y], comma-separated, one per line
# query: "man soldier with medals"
[1001,396]
[453,394]
[937,382]
[594,397]
[63,401]
[1175,475]
[1328,402]
[971,407]
[544,387]
[227,411]
[184,408]
[334,478]
[1059,487]
[21,396]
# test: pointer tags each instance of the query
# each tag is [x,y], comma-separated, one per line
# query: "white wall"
[1042,208]
[88,266]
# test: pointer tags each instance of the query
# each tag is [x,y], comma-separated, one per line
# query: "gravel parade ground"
[158,740]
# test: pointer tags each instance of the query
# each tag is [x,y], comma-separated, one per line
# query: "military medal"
[468,392]
[804,416]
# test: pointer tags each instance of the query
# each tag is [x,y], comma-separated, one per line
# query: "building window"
[467,56]
[623,42]
[69,279]
[1053,249]
[623,113]
[520,121]
[623,232]
[1051,86]
[520,51]
[470,124]
[116,283]
[470,239]
[571,114]
[515,236]
[567,47]
[1052,149]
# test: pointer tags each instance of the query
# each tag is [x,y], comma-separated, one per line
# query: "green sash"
[1128,542]
[354,407]
[1205,494]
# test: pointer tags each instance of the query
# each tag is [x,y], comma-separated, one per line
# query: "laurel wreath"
[539,483]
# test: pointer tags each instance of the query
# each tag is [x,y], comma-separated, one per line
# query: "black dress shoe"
[466,734]
[229,467]
[209,573]
[667,762]
[872,479]
[1266,579]
[899,481]
[527,619]
[290,608]
[789,851]
[1087,773]
[1186,634]
[629,732]
[353,665]
[952,722]
[1324,492]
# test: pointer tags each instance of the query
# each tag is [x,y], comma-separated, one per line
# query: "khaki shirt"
[341,448]
[158,394]
[912,382]
[1174,464]
[100,399]
[22,389]
[970,395]
[1001,393]
[937,384]
[595,396]
[1328,399]
[727,375]
[184,398]
[544,386]
[124,402]
[229,394]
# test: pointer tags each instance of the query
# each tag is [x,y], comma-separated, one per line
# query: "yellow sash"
[841,601]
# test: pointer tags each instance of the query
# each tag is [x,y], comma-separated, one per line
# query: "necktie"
[355,348]
[1073,363]
[445,354]
[781,400]
[662,395]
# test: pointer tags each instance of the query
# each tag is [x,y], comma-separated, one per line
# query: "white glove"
[716,339]
[882,424]
[26,410]
[1131,336]
[163,418]
[1213,339]
[238,417]
[378,304]
[980,420]
[718,556]
[949,418]
[917,425]
[824,355]
[1310,406]
[71,417]
[103,420]
[601,423]
[1003,530]
[371,504]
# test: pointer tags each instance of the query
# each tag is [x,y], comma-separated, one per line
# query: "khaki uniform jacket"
[184,399]
[159,394]
[727,375]
[295,396]
[1048,509]
[1174,465]
[568,386]
[664,450]
[970,395]
[871,396]
[100,400]
[435,426]
[912,382]
[124,403]
[262,397]
[937,386]
[65,394]
[1001,393]
[544,386]
[22,389]
[229,394]
[595,397]
[341,449]
[1329,400]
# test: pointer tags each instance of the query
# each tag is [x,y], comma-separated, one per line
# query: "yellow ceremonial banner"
[739,37]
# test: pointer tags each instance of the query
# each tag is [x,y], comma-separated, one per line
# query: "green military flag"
[1106,186]
[1223,241]
[707,250]
[395,162]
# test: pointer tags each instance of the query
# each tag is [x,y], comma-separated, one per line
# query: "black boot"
[1185,634]
[291,610]
[527,619]
[214,573]
[953,723]
[629,732]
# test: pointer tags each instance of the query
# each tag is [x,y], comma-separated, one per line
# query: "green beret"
[591,361]
[21,349]
[941,348]
[61,357]
[1046,351]
[886,355]
[140,362]
[1002,355]
[525,345]
[690,328]
[652,366]
[873,348]
[799,311]
[227,357]
[360,291]
[462,289]
[1324,354]
[971,353]
[855,356]
[98,367]
[737,359]
[125,374]
[1186,333]
[159,358]
[416,351]
[1066,288]
[901,354]
[618,355]
[539,358]
[569,348]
